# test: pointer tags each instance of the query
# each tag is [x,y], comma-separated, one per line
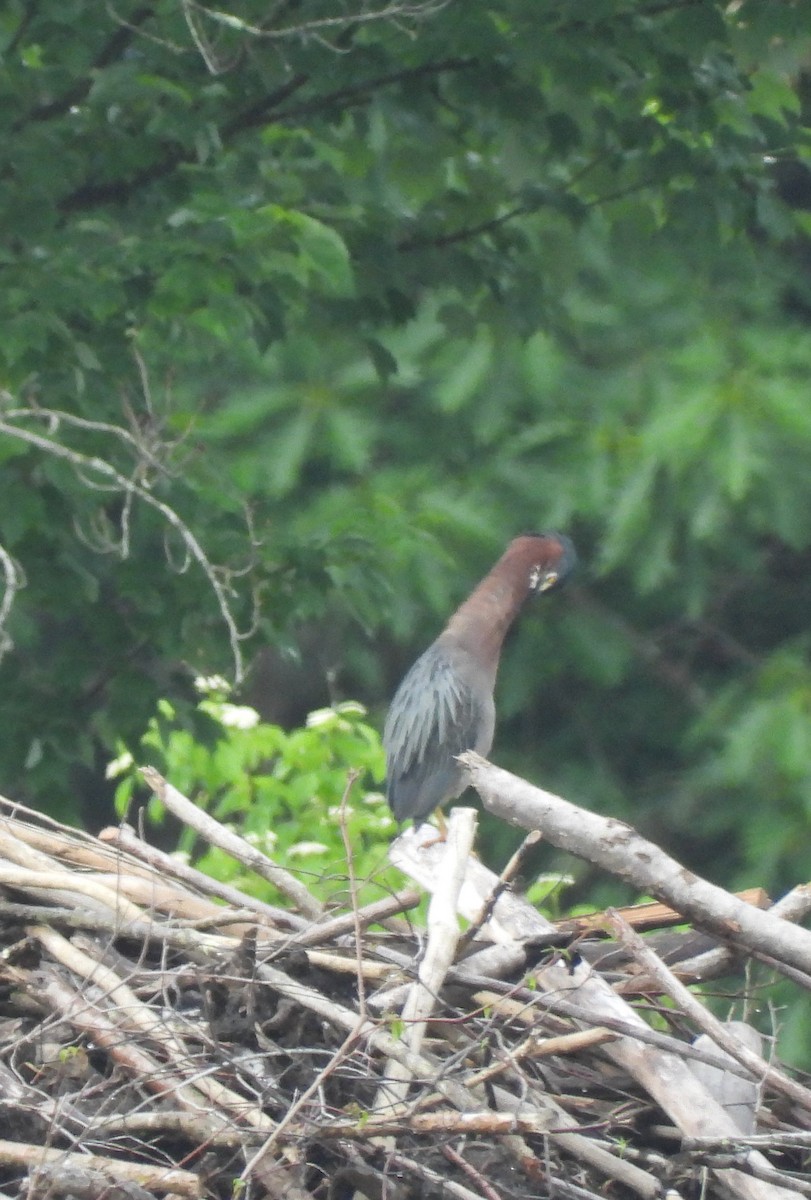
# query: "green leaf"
[771,95]
[287,449]
[385,364]
[321,253]
[630,513]
[466,375]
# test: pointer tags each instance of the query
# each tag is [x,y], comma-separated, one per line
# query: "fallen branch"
[619,849]
[443,938]
[207,1031]
[109,1170]
[218,835]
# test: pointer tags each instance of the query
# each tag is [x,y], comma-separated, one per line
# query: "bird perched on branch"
[444,705]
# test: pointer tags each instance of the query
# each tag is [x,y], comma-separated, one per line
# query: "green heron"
[444,705]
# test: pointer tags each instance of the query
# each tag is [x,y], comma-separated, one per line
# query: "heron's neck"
[481,623]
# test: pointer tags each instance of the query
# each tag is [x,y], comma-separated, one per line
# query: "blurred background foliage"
[353,297]
[301,795]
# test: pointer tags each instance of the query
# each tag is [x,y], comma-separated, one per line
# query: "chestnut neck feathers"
[481,623]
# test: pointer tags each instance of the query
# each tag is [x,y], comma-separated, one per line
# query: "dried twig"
[443,938]
[618,848]
[218,835]
[108,1171]
[203,1028]
[704,1019]
[125,837]
[97,472]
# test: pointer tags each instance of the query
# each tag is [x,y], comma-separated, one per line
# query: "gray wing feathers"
[435,715]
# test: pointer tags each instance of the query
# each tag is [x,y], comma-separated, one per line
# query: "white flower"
[334,811]
[323,716]
[119,766]
[302,849]
[238,716]
[208,684]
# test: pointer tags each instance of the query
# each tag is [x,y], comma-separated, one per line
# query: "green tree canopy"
[307,308]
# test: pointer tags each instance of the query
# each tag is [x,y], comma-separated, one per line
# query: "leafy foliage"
[273,785]
[351,301]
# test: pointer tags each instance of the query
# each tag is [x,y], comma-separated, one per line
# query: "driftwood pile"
[164,1035]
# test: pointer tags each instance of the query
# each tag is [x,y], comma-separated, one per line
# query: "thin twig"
[349,854]
[704,1019]
[99,466]
[219,835]
[159,1179]
[125,837]
[508,873]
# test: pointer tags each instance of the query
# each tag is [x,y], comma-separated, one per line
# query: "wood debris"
[164,1035]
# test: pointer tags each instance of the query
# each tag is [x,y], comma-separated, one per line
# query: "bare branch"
[231,843]
[12,582]
[618,848]
[396,12]
[704,1019]
[148,1035]
[103,474]
[99,1170]
[56,417]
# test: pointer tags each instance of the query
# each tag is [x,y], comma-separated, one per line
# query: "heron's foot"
[441,831]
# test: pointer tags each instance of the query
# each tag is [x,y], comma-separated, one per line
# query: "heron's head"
[552,559]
